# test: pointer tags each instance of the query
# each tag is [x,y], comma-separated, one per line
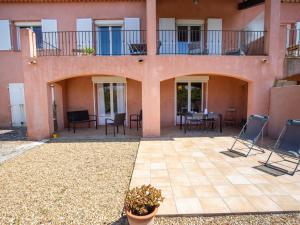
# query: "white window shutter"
[214,36]
[132,32]
[167,35]
[298,32]
[84,35]
[50,39]
[5,35]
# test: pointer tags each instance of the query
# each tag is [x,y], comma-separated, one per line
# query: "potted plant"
[141,204]
[88,51]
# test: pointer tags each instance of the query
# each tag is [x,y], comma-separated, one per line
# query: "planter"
[141,220]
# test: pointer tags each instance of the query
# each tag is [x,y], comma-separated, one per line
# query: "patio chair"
[287,145]
[136,118]
[119,120]
[251,132]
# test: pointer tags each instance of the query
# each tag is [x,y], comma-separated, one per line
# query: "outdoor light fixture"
[195,2]
[32,62]
[140,60]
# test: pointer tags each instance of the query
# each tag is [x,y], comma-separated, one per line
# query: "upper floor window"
[36,27]
[109,37]
[189,33]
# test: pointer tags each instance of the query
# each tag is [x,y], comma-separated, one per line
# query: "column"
[151,27]
[151,102]
[37,92]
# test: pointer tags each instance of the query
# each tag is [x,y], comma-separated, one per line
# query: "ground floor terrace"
[82,178]
[106,96]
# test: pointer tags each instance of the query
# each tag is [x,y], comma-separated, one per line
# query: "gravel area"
[266,219]
[67,183]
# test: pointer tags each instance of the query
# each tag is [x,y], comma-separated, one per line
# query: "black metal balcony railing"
[105,42]
[293,43]
[211,42]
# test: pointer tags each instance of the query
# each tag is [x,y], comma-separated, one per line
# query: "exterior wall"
[226,9]
[284,105]
[259,71]
[10,72]
[77,94]
[167,102]
[95,10]
[223,92]
[134,97]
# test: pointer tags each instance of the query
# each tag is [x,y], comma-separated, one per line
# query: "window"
[190,35]
[109,37]
[36,27]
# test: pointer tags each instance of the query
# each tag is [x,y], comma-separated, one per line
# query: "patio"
[196,178]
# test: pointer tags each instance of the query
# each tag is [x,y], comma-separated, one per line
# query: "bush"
[88,51]
[141,201]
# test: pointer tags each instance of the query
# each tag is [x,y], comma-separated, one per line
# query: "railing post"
[151,27]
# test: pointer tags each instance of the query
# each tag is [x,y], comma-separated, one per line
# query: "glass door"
[189,98]
[182,99]
[109,40]
[111,100]
[188,39]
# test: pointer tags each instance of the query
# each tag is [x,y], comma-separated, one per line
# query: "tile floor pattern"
[196,178]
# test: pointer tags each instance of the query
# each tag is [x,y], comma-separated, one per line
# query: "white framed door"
[109,40]
[111,100]
[17,104]
[191,95]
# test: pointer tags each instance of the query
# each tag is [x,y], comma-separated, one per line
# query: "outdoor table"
[200,118]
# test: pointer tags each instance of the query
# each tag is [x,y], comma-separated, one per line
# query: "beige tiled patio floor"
[196,178]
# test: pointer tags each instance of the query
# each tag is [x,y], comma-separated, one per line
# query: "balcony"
[104,42]
[293,43]
[211,42]
[171,42]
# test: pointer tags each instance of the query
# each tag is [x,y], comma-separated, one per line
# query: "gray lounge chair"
[287,145]
[251,132]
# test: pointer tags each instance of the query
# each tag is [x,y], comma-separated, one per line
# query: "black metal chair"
[251,132]
[136,118]
[287,145]
[119,120]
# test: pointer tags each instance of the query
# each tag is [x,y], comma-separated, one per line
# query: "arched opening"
[101,95]
[199,93]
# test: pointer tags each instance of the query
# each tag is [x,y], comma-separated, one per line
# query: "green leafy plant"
[141,201]
[88,51]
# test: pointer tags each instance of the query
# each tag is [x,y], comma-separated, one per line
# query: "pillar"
[151,27]
[37,92]
[273,37]
[151,102]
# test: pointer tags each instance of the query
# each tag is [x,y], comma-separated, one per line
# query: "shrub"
[141,201]
[88,51]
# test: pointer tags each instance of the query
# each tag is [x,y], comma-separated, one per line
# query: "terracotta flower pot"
[141,220]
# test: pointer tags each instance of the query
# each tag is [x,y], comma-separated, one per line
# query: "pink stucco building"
[110,56]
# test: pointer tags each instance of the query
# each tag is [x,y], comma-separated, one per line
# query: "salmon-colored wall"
[284,105]
[58,11]
[77,94]
[290,12]
[134,97]
[167,102]
[225,9]
[80,94]
[10,72]
[223,92]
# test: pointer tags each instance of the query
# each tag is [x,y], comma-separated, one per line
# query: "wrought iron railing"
[290,1]
[106,42]
[293,43]
[211,42]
